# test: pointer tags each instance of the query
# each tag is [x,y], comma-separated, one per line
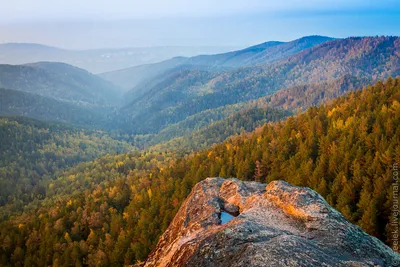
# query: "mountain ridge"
[247,56]
[371,58]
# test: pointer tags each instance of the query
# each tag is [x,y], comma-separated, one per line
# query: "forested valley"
[94,167]
[111,208]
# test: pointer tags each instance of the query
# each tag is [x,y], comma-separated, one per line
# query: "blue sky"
[89,24]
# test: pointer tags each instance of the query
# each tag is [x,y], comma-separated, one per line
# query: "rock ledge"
[275,225]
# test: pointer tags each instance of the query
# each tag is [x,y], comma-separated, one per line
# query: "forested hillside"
[302,97]
[59,81]
[18,103]
[243,121]
[111,211]
[194,131]
[173,97]
[259,54]
[32,151]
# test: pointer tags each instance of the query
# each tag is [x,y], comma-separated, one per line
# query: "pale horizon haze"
[121,23]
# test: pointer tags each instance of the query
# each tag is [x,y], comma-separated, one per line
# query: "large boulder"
[273,225]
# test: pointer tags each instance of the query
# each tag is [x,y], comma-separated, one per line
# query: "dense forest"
[32,150]
[19,103]
[112,210]
[240,122]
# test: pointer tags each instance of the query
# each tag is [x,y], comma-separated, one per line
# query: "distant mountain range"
[182,92]
[99,60]
[175,97]
[259,54]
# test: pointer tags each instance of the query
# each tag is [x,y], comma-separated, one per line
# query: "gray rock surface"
[275,225]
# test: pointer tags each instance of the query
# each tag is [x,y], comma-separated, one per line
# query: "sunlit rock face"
[272,225]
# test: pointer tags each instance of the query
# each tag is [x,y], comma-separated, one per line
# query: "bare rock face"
[274,225]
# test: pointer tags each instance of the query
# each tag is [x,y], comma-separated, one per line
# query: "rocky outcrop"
[274,225]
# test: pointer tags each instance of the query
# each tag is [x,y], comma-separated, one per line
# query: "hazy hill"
[99,60]
[258,54]
[130,77]
[167,90]
[369,58]
[59,81]
[18,103]
[20,53]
